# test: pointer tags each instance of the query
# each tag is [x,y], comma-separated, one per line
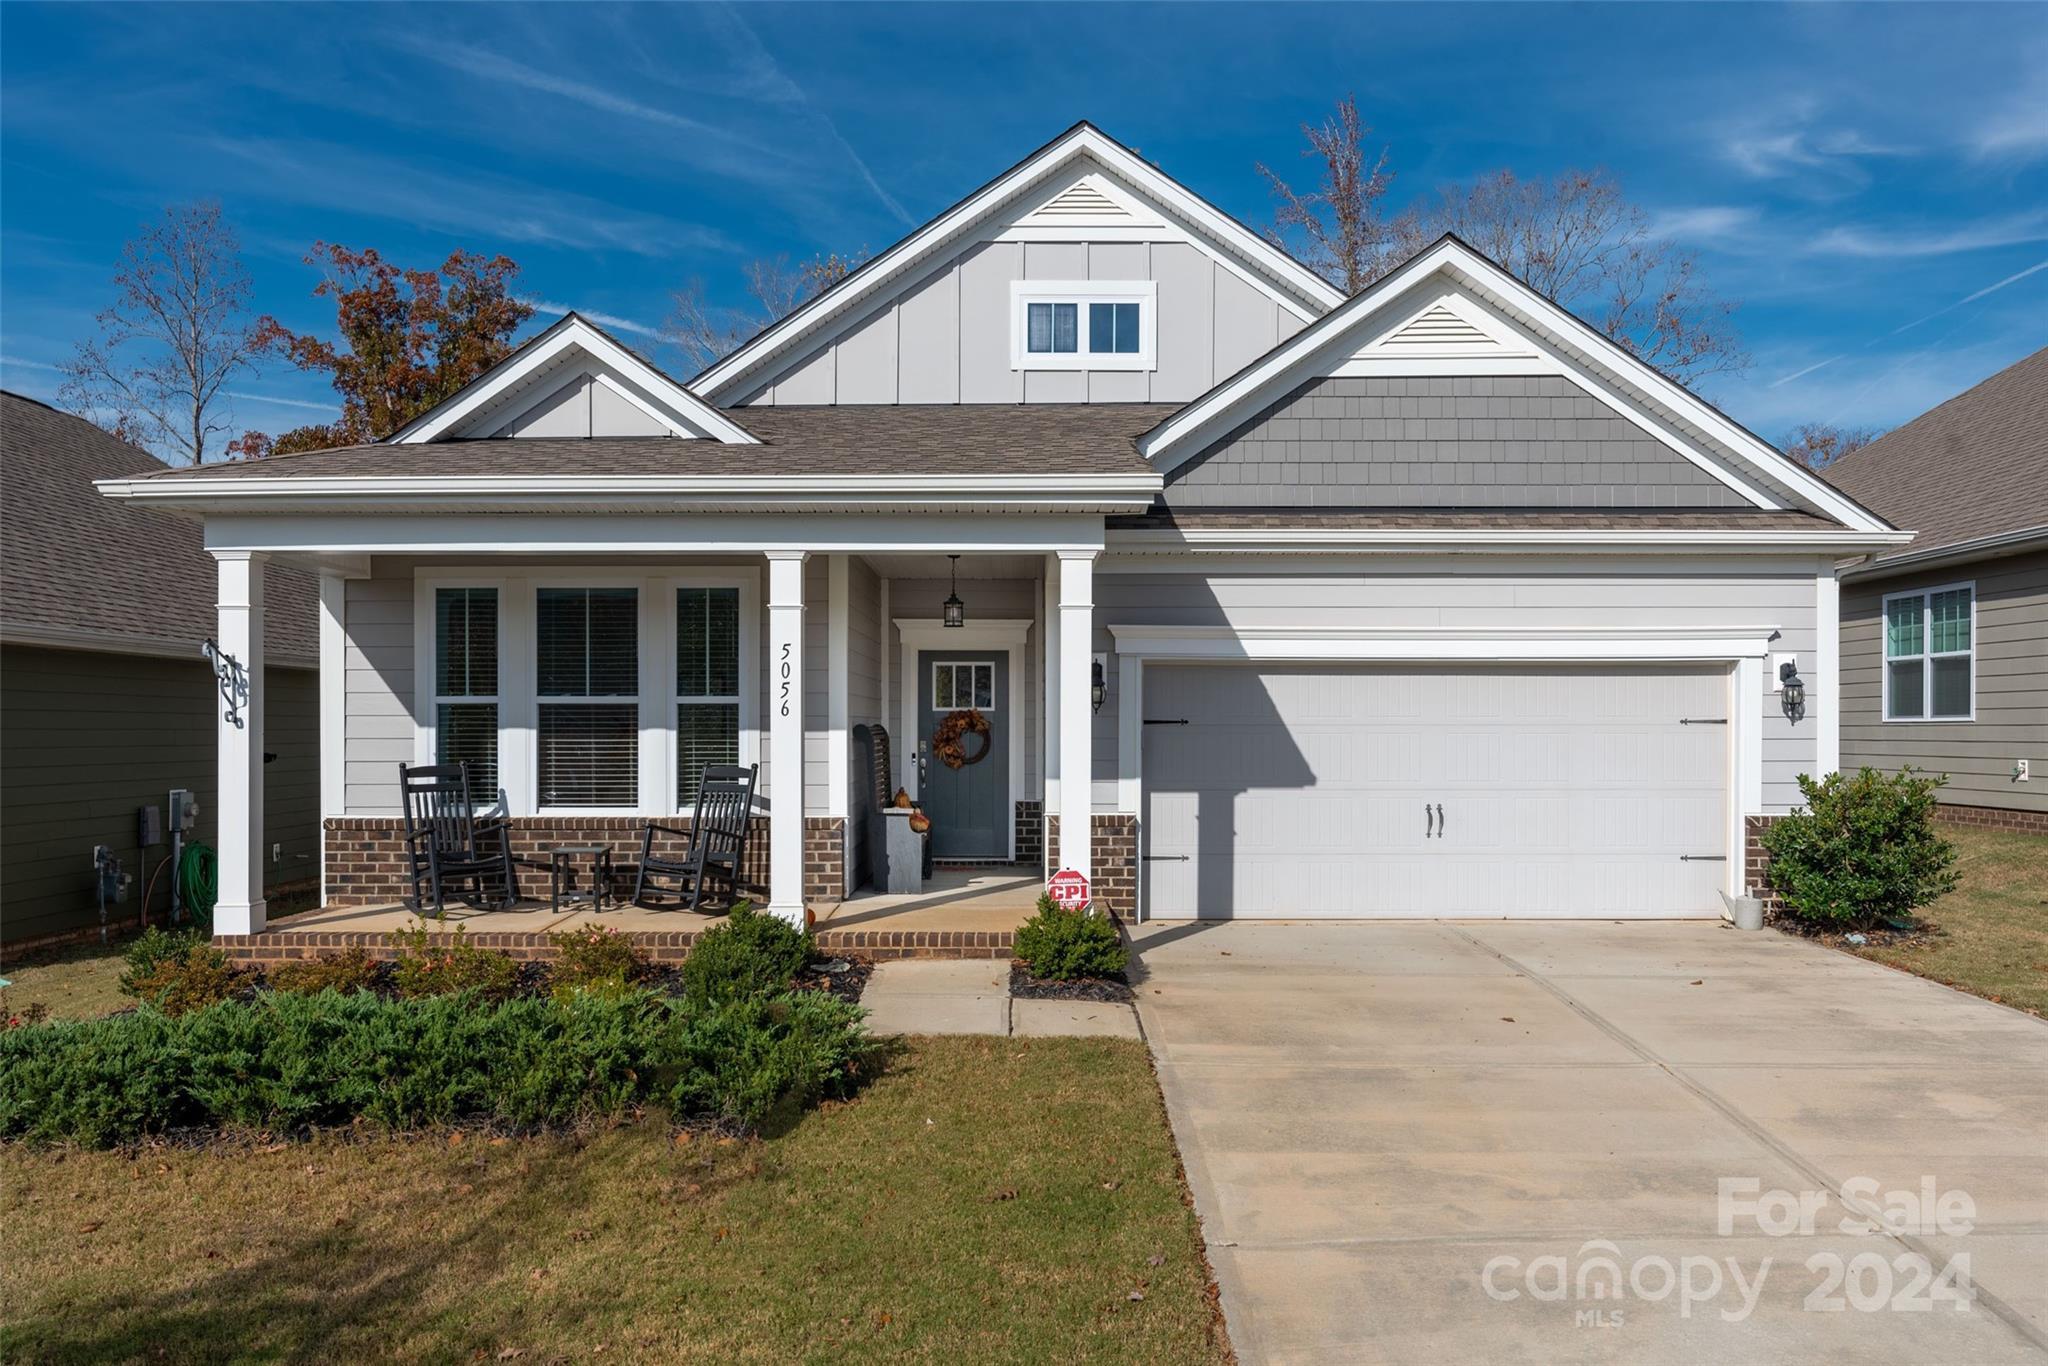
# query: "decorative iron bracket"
[232,678]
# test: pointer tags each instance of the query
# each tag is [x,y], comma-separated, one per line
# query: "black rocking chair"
[450,851]
[717,840]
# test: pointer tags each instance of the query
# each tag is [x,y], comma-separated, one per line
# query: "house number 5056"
[787,674]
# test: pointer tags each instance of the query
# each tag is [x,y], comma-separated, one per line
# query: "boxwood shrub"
[1059,945]
[283,1062]
[1862,852]
[750,954]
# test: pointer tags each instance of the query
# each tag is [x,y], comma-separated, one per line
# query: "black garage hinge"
[1164,858]
[1702,720]
[1702,858]
[1166,721]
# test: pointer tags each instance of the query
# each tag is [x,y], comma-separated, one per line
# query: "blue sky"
[1870,182]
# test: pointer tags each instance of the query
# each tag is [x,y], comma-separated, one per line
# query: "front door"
[969,806]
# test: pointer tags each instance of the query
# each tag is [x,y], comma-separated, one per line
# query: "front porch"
[968,912]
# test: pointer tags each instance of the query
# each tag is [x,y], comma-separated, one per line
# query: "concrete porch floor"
[994,899]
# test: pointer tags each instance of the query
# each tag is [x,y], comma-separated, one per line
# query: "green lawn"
[1994,939]
[985,1200]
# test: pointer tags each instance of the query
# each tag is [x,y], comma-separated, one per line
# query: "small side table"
[562,870]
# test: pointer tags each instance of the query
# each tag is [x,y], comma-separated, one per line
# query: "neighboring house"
[1432,601]
[1945,640]
[105,701]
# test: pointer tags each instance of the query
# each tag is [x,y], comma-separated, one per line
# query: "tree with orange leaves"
[409,339]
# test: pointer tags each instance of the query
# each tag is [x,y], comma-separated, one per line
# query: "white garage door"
[1434,791]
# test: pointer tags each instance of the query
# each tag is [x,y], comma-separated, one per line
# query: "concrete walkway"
[972,996]
[1372,1115]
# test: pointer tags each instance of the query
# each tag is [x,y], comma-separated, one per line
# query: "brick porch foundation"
[660,946]
[1115,878]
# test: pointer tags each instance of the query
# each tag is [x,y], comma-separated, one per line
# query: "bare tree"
[1576,239]
[706,333]
[1337,228]
[178,331]
[1817,445]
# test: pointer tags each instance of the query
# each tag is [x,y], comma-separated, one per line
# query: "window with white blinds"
[707,685]
[587,682]
[466,683]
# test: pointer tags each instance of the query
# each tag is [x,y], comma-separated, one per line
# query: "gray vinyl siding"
[87,739]
[2011,677]
[817,687]
[378,725]
[1476,594]
[945,336]
[1528,441]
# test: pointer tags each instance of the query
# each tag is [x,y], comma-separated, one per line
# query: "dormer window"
[1083,324]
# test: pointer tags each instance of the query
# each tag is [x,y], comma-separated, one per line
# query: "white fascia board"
[1591,354]
[1313,540]
[719,380]
[1994,546]
[1562,644]
[573,333]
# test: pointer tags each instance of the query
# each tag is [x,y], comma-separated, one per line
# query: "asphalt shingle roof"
[73,560]
[1975,466]
[937,439]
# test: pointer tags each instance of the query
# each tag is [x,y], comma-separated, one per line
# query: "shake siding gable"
[1508,441]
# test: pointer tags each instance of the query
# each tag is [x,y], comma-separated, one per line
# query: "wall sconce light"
[956,610]
[1098,686]
[1793,690]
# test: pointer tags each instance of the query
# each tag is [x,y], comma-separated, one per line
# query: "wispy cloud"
[610,320]
[272,400]
[2011,279]
[2017,131]
[776,84]
[1775,153]
[340,178]
[1802,374]
[1703,224]
[1888,243]
[22,363]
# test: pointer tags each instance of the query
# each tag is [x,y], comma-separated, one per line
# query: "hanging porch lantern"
[956,610]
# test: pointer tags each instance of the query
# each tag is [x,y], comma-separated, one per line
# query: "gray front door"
[969,806]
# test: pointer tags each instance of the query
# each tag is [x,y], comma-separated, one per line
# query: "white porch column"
[1825,688]
[239,822]
[786,734]
[333,705]
[1049,705]
[1076,733]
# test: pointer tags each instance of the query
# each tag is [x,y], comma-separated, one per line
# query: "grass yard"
[986,1200]
[77,982]
[1994,940]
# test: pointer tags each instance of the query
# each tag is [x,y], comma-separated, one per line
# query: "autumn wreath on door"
[950,736]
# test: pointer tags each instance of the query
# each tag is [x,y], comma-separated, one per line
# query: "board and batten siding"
[945,337]
[89,738]
[2010,676]
[1475,594]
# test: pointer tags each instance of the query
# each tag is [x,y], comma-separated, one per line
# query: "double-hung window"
[707,685]
[587,690]
[1083,324]
[1929,645]
[466,682]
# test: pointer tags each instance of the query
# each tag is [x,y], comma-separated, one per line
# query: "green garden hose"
[199,882]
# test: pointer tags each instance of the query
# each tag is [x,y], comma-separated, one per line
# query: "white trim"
[1077,712]
[687,415]
[1980,547]
[518,700]
[1484,540]
[838,701]
[1556,328]
[917,634]
[1048,710]
[1082,294]
[238,749]
[1927,655]
[333,708]
[786,734]
[876,278]
[1825,687]
[1738,649]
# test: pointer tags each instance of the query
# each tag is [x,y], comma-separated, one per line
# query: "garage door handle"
[1439,820]
[1428,821]
[1702,720]
[1702,858]
[1166,858]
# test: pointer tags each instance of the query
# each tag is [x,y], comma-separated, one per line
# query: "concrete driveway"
[1402,1137]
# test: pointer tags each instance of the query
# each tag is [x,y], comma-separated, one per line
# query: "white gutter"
[1981,547]
[1284,540]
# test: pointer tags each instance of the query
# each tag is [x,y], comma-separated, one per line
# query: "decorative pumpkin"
[920,824]
[902,799]
[948,736]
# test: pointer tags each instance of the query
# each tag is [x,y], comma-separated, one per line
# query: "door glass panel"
[984,685]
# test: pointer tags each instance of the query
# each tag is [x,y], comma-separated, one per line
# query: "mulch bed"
[845,977]
[1025,987]
[1882,937]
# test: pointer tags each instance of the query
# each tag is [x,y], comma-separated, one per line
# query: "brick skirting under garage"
[1993,818]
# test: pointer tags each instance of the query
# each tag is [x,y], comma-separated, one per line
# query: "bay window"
[587,682]
[1929,654]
